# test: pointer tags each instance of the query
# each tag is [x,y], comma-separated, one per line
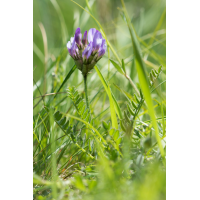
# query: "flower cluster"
[86,52]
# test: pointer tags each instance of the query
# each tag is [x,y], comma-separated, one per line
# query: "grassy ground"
[117,151]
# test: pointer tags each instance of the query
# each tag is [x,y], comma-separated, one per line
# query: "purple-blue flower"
[86,52]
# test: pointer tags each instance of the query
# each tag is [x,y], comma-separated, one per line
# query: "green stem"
[86,94]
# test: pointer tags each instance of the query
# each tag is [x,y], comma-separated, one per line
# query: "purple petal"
[101,53]
[87,52]
[97,41]
[70,44]
[104,46]
[78,36]
[84,40]
[72,47]
[102,49]
[91,33]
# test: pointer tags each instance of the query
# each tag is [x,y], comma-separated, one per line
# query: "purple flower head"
[87,51]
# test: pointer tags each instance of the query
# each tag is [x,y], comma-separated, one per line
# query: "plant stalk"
[86,94]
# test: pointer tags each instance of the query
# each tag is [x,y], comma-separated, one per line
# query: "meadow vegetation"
[116,148]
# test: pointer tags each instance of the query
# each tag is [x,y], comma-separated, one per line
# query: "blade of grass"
[112,110]
[158,26]
[126,94]
[39,91]
[158,86]
[117,108]
[119,69]
[101,88]
[66,78]
[95,130]
[107,88]
[142,78]
[53,158]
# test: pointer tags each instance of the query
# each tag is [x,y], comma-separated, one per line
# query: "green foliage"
[115,149]
[79,103]
[154,75]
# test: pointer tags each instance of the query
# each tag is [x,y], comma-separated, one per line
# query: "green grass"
[116,148]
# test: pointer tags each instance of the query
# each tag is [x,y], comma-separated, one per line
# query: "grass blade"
[116,105]
[112,110]
[118,68]
[95,130]
[66,78]
[142,78]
